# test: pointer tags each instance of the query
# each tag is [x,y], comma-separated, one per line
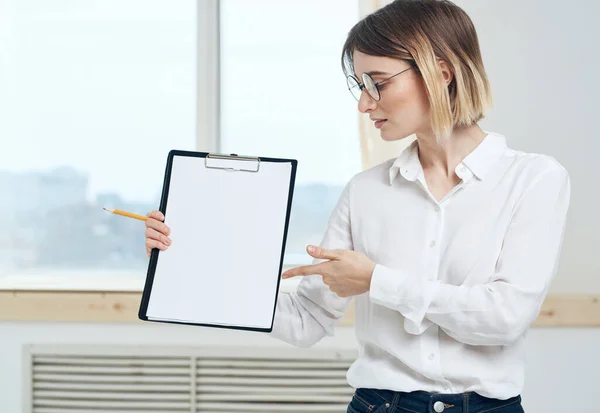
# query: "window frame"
[208,79]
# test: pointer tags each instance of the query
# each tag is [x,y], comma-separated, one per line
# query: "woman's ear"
[446,71]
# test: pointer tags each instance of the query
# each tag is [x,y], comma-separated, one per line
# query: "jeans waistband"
[421,401]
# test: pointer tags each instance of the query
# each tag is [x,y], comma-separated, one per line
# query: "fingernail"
[168,241]
[311,249]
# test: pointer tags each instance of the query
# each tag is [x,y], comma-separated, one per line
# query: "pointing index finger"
[304,270]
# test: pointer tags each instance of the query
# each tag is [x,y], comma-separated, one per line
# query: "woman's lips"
[378,123]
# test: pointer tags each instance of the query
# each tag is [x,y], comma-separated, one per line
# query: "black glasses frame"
[367,78]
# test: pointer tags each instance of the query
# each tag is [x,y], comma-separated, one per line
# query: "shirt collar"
[479,162]
[407,164]
[485,155]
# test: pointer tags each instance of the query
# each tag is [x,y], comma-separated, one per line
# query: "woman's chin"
[390,136]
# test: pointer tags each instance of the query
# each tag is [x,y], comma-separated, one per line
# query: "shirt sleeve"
[306,316]
[500,311]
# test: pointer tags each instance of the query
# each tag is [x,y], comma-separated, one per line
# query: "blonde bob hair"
[422,32]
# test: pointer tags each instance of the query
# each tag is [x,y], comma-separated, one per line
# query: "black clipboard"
[228,166]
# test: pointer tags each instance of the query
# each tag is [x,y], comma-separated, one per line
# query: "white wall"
[542,59]
[563,373]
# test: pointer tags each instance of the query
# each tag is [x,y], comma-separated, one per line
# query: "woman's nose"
[366,103]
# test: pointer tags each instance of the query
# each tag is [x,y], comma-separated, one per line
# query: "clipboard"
[229,217]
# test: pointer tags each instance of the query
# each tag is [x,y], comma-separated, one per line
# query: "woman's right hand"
[157,232]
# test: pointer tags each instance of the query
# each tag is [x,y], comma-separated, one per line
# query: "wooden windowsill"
[122,306]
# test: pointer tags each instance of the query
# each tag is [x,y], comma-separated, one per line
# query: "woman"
[449,249]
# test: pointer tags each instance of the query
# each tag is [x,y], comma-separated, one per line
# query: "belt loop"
[395,401]
[466,402]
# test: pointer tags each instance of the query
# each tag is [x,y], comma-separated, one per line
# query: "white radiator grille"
[77,379]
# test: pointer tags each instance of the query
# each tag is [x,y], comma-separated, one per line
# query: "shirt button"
[438,407]
[462,169]
[431,356]
[432,244]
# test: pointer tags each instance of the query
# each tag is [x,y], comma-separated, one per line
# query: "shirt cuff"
[385,284]
[399,291]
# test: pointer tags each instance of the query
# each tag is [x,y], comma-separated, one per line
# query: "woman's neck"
[445,158]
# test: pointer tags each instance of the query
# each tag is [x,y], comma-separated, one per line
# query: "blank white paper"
[227,229]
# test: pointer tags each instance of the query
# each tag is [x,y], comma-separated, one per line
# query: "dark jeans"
[387,401]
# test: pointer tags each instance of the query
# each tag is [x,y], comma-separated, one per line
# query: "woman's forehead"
[375,65]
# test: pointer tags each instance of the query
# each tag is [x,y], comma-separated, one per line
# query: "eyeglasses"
[368,83]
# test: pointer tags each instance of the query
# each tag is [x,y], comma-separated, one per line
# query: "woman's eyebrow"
[372,73]
[377,73]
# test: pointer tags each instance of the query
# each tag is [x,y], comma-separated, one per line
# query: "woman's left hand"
[347,272]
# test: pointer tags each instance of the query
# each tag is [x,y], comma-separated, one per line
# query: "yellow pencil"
[126,214]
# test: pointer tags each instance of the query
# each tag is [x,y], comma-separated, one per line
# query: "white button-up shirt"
[457,282]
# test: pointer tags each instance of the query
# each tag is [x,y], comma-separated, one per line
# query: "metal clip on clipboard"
[233,157]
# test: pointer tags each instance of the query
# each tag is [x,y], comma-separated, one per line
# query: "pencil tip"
[107,209]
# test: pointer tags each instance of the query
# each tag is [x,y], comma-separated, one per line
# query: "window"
[96,92]
[283,94]
[94,95]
